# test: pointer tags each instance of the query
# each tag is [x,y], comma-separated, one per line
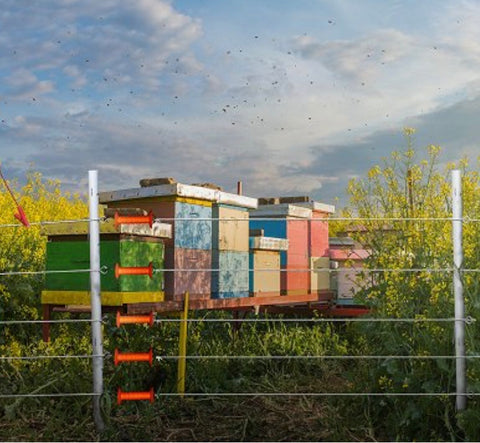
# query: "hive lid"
[281,210]
[317,206]
[159,230]
[178,190]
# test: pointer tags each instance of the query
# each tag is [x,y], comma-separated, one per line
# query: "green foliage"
[23,249]
[407,188]
[403,187]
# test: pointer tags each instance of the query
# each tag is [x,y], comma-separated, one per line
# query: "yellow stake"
[182,349]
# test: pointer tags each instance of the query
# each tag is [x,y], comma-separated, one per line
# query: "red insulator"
[133,270]
[134,319]
[123,357]
[134,395]
[133,219]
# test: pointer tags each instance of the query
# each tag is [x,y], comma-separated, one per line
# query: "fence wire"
[48,357]
[468,320]
[315,357]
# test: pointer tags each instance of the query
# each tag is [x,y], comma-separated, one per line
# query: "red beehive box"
[291,222]
[192,273]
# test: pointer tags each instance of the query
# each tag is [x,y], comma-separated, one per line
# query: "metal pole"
[457,233]
[95,300]
[182,348]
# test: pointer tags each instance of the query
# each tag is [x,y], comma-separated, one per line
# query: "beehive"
[264,263]
[68,248]
[230,274]
[318,244]
[288,222]
[230,253]
[195,236]
[230,228]
[345,254]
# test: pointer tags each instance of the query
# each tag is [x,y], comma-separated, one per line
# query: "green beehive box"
[74,254]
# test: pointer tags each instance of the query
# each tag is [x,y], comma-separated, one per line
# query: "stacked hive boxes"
[264,263]
[298,219]
[230,253]
[346,254]
[197,243]
[188,254]
[68,248]
[318,246]
[289,222]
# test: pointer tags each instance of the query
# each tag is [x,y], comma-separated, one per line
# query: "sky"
[290,97]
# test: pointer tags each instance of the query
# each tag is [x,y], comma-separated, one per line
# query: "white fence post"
[457,232]
[95,300]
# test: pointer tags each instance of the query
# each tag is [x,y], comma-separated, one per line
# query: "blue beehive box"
[196,231]
[230,278]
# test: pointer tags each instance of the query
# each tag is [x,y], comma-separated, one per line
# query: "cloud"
[92,42]
[23,84]
[358,60]
[454,129]
[136,89]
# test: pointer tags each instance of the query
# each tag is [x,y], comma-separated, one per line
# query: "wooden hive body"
[196,240]
[264,262]
[68,248]
[288,222]
[318,245]
[230,253]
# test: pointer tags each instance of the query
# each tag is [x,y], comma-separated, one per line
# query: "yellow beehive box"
[230,228]
[265,274]
[320,275]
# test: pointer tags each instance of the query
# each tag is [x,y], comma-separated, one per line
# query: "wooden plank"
[160,230]
[263,283]
[320,280]
[317,206]
[82,298]
[228,303]
[281,210]
[231,232]
[177,190]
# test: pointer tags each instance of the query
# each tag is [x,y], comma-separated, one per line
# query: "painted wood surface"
[317,301]
[161,230]
[178,190]
[191,273]
[75,254]
[318,235]
[297,234]
[230,235]
[268,243]
[192,233]
[320,280]
[295,262]
[295,279]
[347,283]
[233,272]
[230,294]
[82,298]
[271,228]
[264,283]
[187,234]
